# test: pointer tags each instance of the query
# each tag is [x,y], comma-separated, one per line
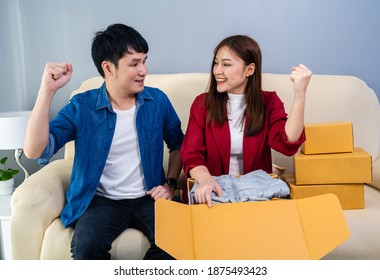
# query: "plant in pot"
[6,177]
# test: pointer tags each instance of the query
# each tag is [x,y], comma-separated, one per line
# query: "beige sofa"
[36,230]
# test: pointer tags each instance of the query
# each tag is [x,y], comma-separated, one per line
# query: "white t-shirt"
[235,108]
[122,176]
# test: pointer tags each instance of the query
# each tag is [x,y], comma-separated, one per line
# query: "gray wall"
[338,37]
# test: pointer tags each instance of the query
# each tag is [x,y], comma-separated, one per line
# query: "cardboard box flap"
[281,229]
[174,225]
[248,230]
[323,223]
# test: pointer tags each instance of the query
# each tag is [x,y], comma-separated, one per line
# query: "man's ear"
[107,68]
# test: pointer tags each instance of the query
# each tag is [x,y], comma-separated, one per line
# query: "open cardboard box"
[279,229]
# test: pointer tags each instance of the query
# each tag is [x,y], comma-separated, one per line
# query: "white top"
[122,176]
[235,109]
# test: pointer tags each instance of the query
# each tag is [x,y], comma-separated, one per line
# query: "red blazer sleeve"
[193,149]
[276,119]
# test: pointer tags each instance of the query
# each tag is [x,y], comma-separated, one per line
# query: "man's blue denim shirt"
[90,121]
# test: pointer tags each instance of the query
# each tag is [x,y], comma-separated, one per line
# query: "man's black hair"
[114,42]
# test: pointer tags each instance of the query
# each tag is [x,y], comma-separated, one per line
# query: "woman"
[234,125]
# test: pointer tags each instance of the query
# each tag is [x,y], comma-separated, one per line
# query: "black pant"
[106,219]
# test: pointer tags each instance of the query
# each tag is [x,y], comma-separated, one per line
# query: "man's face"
[130,74]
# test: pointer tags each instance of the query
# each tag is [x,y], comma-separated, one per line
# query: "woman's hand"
[300,76]
[205,189]
[207,185]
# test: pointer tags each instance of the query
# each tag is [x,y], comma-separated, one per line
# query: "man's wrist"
[172,182]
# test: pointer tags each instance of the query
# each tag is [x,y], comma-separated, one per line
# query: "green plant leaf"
[5,177]
[3,160]
[7,173]
[13,172]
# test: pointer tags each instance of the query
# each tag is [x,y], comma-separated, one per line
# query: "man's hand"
[164,191]
[55,76]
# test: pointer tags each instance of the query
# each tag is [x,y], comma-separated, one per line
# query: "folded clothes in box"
[257,185]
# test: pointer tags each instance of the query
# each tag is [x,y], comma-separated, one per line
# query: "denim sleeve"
[173,135]
[48,152]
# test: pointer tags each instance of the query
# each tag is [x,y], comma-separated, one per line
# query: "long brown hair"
[249,51]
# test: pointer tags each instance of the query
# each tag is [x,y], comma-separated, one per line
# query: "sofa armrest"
[35,204]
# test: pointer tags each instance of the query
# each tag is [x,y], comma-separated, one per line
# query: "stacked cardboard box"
[329,163]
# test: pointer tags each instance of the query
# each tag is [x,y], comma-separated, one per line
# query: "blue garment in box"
[254,186]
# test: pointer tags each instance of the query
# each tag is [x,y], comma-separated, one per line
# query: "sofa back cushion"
[329,99]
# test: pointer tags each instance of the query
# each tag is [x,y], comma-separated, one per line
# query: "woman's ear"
[250,69]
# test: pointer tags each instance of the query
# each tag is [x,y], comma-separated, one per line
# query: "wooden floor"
[364,225]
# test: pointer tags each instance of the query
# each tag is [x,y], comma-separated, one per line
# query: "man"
[118,131]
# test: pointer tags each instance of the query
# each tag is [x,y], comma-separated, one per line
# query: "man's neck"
[122,102]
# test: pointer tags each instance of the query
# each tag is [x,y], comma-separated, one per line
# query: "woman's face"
[230,72]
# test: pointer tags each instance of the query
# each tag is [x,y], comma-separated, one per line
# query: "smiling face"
[230,72]
[128,77]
